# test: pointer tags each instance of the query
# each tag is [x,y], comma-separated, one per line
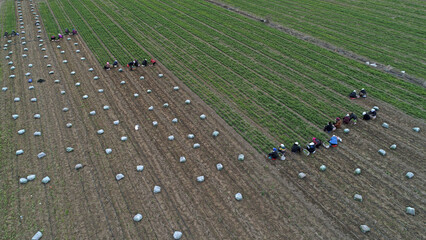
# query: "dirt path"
[91,204]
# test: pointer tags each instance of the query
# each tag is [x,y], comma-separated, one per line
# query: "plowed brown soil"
[91,204]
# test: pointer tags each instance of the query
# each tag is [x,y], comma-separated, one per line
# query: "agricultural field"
[250,74]
[217,72]
[389,32]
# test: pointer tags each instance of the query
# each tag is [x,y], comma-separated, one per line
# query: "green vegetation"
[390,32]
[269,86]
[7,16]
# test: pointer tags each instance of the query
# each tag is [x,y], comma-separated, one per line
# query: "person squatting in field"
[330,127]
[274,154]
[107,66]
[311,147]
[363,93]
[296,148]
[338,123]
[373,113]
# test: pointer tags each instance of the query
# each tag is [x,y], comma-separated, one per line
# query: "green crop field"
[7,16]
[389,32]
[269,86]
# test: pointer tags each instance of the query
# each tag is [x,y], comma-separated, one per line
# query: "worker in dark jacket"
[144,62]
[365,116]
[296,148]
[363,93]
[353,95]
[328,128]
[311,147]
[353,117]
[373,113]
[274,154]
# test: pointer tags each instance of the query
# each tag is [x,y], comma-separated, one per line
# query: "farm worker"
[53,38]
[353,117]
[59,36]
[311,147]
[74,32]
[153,62]
[328,128]
[13,33]
[144,62]
[373,113]
[136,63]
[346,119]
[67,31]
[338,123]
[363,93]
[353,95]
[296,148]
[281,149]
[317,142]
[334,141]
[365,116]
[6,34]
[130,65]
[274,154]
[107,66]
[115,64]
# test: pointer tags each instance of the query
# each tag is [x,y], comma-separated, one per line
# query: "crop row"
[386,41]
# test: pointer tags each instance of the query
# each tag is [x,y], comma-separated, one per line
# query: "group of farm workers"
[316,143]
[361,94]
[60,36]
[12,34]
[131,65]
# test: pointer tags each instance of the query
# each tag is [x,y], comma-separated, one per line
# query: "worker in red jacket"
[153,62]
